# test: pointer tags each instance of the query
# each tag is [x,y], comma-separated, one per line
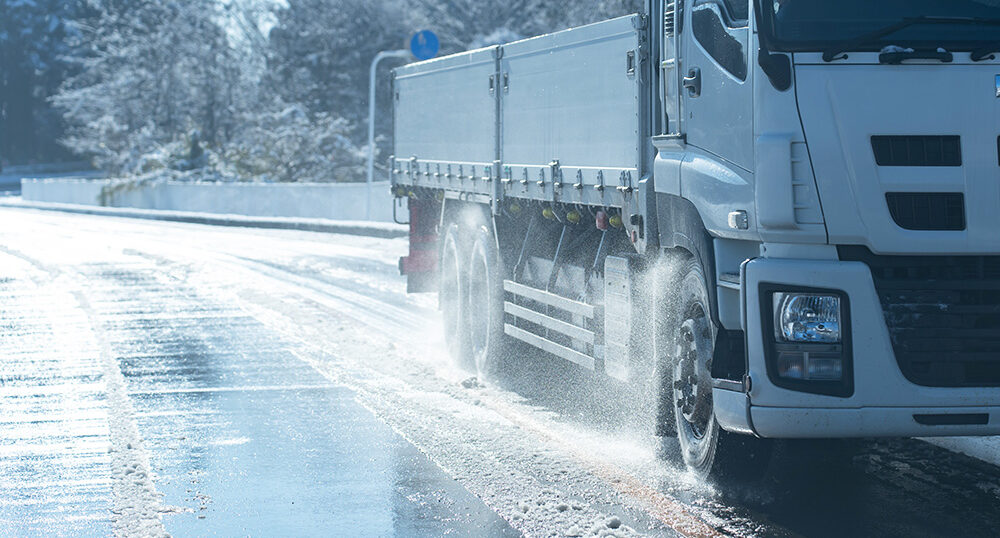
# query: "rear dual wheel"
[452,296]
[486,335]
[471,298]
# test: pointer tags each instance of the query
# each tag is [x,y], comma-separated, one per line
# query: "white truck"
[784,215]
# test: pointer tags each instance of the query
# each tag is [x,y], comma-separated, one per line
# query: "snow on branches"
[272,90]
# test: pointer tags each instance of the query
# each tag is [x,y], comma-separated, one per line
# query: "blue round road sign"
[425,45]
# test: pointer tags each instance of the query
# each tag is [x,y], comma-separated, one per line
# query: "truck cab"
[777,214]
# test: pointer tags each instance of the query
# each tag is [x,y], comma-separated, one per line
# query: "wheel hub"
[692,379]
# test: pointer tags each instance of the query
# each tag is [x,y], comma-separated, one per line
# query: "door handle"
[693,82]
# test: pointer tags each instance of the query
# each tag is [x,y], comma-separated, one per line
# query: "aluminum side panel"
[444,110]
[570,98]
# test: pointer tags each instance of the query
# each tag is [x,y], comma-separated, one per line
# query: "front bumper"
[883,402]
[791,422]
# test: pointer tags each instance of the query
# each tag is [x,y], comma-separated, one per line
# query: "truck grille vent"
[807,210]
[943,315]
[927,210]
[917,150]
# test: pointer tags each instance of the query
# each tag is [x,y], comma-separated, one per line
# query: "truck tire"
[688,335]
[485,291]
[452,295]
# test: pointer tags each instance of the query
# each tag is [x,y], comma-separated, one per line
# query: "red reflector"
[419,261]
[601,220]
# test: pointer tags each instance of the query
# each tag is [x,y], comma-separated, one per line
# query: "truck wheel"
[452,295]
[690,344]
[485,291]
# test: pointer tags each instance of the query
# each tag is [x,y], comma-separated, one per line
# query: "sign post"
[423,46]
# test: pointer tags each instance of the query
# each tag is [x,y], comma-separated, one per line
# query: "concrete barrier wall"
[63,191]
[341,201]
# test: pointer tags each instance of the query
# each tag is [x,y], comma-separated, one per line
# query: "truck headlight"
[807,317]
[807,340]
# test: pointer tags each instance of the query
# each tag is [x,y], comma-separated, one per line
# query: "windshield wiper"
[836,52]
[986,52]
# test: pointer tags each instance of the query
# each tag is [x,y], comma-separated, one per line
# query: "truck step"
[549,346]
[550,323]
[551,299]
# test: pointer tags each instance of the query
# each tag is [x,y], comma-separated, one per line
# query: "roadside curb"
[381,230]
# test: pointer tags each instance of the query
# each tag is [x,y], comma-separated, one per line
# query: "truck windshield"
[814,25]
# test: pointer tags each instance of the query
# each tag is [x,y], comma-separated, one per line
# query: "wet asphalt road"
[188,380]
[240,435]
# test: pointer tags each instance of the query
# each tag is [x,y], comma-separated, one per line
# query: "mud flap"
[619,313]
[732,411]
[421,265]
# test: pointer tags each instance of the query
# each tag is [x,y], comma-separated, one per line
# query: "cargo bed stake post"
[498,190]
[371,121]
[556,181]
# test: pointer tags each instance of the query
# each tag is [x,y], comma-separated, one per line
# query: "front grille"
[927,210]
[943,315]
[917,150]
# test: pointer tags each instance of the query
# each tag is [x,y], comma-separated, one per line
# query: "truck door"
[717,96]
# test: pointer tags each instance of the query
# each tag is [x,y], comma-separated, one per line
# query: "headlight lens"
[806,317]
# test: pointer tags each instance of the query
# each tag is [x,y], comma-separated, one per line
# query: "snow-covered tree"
[269,89]
[288,143]
[152,72]
[320,52]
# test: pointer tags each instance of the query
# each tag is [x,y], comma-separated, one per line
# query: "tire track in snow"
[663,507]
[402,322]
[136,508]
[399,322]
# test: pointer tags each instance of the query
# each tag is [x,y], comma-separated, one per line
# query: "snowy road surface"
[160,378]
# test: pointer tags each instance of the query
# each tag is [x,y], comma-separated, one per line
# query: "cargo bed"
[560,118]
